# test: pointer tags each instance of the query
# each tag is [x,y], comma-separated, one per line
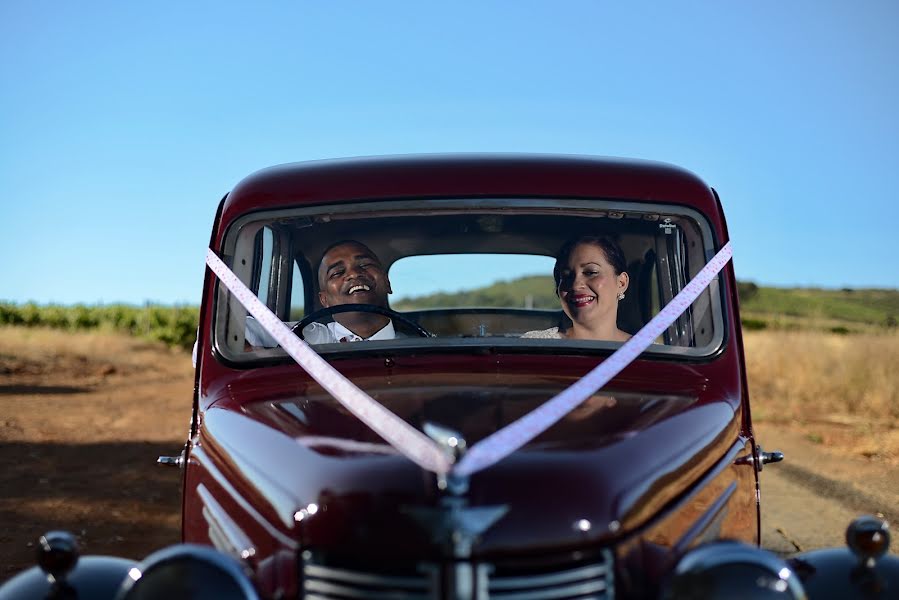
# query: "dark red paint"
[643,486]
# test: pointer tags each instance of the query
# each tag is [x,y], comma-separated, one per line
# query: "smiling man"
[350,273]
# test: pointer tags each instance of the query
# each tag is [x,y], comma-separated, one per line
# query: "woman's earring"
[620,296]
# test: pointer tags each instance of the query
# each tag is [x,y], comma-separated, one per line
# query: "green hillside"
[760,306]
[536,291]
[872,307]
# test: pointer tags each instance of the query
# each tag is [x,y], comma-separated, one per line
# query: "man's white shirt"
[329,333]
[315,333]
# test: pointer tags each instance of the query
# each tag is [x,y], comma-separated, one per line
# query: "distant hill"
[535,291]
[760,306]
[840,308]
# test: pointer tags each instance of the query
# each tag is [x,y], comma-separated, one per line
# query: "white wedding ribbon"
[402,436]
[513,436]
[413,443]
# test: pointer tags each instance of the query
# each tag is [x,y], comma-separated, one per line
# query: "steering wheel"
[369,308]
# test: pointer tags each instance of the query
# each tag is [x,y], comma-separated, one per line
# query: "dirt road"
[84,418]
[810,497]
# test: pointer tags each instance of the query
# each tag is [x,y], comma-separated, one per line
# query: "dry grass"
[841,390]
[96,346]
[91,387]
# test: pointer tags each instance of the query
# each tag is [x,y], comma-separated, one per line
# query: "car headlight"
[732,570]
[187,572]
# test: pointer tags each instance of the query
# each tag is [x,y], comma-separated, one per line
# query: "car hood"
[603,470]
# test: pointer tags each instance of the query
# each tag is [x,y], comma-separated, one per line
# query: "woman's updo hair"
[612,251]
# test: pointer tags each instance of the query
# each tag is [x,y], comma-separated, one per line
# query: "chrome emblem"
[454,525]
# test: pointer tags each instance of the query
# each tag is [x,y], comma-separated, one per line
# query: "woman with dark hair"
[590,282]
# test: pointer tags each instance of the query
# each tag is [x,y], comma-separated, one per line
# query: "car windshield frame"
[239,236]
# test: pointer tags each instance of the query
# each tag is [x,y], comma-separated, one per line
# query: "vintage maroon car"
[648,487]
[281,474]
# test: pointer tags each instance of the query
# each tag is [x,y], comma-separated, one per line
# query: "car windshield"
[468,273]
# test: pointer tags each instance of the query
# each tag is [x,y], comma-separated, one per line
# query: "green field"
[173,325]
[837,311]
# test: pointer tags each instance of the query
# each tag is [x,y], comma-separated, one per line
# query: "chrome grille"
[580,580]
[591,582]
[325,583]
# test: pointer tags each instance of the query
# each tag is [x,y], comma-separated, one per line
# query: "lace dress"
[545,334]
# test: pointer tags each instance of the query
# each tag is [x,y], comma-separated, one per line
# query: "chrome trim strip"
[197,453]
[580,574]
[706,520]
[235,540]
[588,581]
[393,597]
[362,577]
[342,591]
[575,590]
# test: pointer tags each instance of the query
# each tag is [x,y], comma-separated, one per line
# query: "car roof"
[466,176]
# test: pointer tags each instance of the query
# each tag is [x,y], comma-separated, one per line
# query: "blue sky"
[123,124]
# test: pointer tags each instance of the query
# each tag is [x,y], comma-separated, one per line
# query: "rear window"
[473,280]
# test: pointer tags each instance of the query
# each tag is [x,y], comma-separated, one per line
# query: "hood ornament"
[454,525]
[448,439]
[453,446]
